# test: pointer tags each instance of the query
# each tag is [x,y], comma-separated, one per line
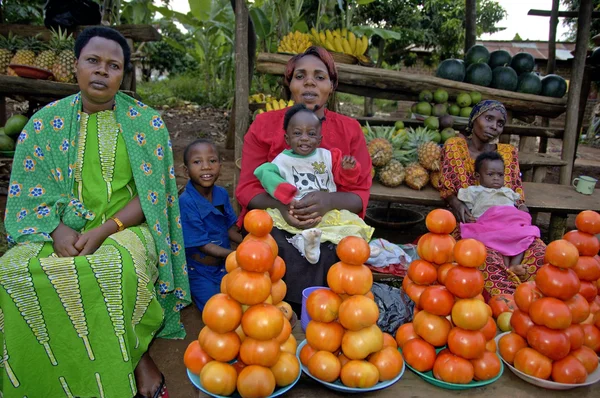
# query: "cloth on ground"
[395,307]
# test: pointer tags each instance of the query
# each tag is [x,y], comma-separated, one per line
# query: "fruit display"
[10,132]
[342,41]
[271,103]
[25,54]
[294,43]
[556,325]
[8,46]
[450,314]
[343,340]
[501,71]
[244,323]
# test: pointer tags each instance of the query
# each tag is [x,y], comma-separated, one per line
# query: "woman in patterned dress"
[96,269]
[486,124]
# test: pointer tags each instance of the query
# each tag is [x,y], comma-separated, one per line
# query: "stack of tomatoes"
[451,313]
[553,328]
[243,323]
[343,339]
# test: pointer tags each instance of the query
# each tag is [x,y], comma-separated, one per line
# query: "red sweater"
[265,140]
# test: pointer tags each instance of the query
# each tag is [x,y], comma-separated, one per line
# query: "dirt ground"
[193,122]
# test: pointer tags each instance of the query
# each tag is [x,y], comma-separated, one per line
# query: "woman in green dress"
[98,268]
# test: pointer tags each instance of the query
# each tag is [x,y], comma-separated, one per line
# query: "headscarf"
[481,108]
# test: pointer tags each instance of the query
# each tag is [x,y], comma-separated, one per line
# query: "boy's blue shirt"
[203,223]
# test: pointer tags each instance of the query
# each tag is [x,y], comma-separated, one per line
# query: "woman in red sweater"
[310,77]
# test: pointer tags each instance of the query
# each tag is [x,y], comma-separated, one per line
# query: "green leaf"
[364,2]
[300,26]
[383,33]
[262,25]
[201,9]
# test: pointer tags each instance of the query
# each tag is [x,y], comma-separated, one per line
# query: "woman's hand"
[312,206]
[64,241]
[297,223]
[90,241]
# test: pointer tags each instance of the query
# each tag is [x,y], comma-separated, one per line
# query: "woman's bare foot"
[147,376]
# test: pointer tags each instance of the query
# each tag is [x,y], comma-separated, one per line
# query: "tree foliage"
[571,23]
[23,11]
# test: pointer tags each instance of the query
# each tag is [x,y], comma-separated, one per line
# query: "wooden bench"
[558,200]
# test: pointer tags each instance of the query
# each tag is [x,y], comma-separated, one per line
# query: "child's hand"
[524,208]
[518,269]
[348,162]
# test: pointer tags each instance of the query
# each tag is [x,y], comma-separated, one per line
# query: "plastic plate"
[428,377]
[195,379]
[338,386]
[31,72]
[592,378]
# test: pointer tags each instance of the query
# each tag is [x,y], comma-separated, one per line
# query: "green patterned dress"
[78,326]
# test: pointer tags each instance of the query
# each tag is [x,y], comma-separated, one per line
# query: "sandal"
[160,393]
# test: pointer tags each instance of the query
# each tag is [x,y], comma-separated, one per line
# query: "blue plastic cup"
[304,318]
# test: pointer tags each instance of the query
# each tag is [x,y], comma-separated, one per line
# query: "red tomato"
[306,353]
[388,362]
[490,329]
[219,378]
[286,369]
[278,291]
[324,366]
[561,253]
[509,345]
[222,313]
[258,222]
[260,352]
[464,282]
[419,354]
[531,362]
[453,369]
[440,221]
[587,357]
[358,312]
[432,328]
[248,287]
[324,336]
[389,341]
[580,308]
[255,381]
[254,256]
[268,239]
[521,323]
[587,244]
[502,303]
[414,291]
[195,358]
[470,253]
[222,347]
[262,322]
[568,370]
[587,268]
[323,305]
[551,313]
[422,272]
[470,314]
[404,333]
[231,262]
[468,344]
[359,374]
[436,300]
[344,278]
[525,294]
[277,270]
[343,359]
[592,337]
[554,344]
[491,346]
[436,248]
[589,291]
[588,221]
[353,250]
[575,335]
[557,282]
[443,272]
[360,344]
[487,367]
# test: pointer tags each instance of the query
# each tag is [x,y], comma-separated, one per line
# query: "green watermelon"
[480,74]
[477,54]
[553,86]
[522,63]
[529,83]
[499,58]
[504,78]
[451,69]
[6,143]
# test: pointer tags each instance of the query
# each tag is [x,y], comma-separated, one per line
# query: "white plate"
[592,378]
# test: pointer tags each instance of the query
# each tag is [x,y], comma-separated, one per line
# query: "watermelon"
[451,69]
[529,83]
[477,54]
[522,63]
[554,86]
[6,143]
[499,58]
[479,74]
[504,78]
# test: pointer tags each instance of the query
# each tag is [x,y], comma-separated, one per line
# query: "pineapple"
[47,58]
[64,67]
[382,144]
[430,155]
[416,176]
[435,178]
[25,55]
[413,140]
[8,45]
[392,174]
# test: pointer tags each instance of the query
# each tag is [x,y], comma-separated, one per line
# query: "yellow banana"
[290,103]
[337,42]
[346,46]
[323,38]
[344,33]
[261,111]
[261,97]
[282,104]
[352,42]
[337,32]
[329,35]
[269,107]
[365,44]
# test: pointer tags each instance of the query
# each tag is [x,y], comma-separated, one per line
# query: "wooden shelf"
[137,33]
[382,83]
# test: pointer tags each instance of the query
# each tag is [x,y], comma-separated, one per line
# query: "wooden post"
[571,133]
[368,106]
[551,66]
[242,85]
[470,23]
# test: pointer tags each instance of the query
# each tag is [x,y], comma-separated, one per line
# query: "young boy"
[207,219]
[500,221]
[306,168]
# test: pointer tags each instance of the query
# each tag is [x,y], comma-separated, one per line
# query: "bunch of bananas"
[259,98]
[294,43]
[341,41]
[274,104]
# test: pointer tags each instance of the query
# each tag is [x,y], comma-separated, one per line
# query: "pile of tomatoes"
[556,326]
[343,339]
[449,308]
[243,322]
